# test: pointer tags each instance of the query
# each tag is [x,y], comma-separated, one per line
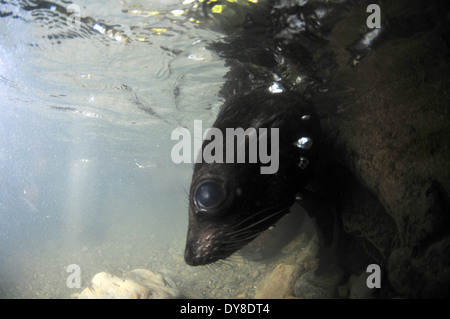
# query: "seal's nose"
[189,256]
[198,253]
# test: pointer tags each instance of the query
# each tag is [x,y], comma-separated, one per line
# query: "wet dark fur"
[257,55]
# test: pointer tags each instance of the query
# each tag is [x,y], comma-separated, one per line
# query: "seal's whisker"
[229,261]
[185,190]
[252,216]
[225,263]
[233,246]
[239,236]
[235,229]
[261,220]
[243,238]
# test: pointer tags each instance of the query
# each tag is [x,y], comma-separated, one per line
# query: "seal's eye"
[209,195]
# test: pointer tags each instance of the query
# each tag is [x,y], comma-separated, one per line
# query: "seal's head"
[229,206]
[232,203]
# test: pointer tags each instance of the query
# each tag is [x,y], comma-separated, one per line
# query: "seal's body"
[268,86]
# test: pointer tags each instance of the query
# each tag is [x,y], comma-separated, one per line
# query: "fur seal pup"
[272,75]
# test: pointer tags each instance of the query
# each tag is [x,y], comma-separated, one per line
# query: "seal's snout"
[201,249]
[193,259]
[195,256]
[189,257]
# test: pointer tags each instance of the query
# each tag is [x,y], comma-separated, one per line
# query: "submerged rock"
[387,129]
[279,284]
[137,284]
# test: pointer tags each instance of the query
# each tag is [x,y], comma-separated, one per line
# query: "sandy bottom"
[40,270]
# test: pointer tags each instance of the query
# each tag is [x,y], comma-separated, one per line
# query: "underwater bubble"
[276,88]
[303,163]
[304,143]
[306,117]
